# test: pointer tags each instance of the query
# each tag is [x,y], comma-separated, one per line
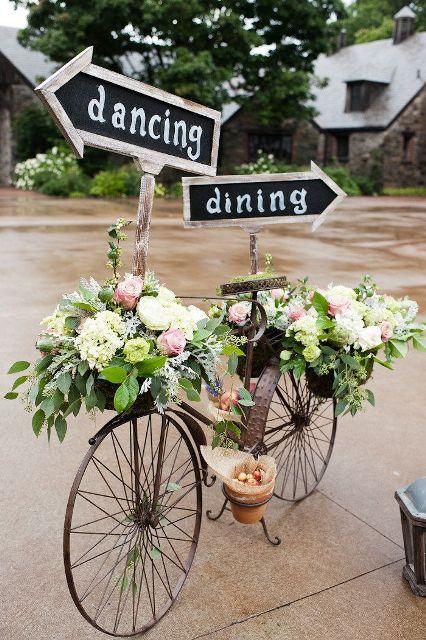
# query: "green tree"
[373,19]
[34,132]
[211,51]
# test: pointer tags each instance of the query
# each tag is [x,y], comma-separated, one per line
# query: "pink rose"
[277,294]
[238,313]
[128,292]
[171,342]
[386,329]
[297,312]
[338,304]
[227,399]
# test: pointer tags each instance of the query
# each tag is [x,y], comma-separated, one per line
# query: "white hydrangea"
[100,338]
[166,296]
[351,323]
[181,318]
[305,330]
[55,322]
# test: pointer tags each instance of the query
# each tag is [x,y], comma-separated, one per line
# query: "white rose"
[369,337]
[165,296]
[153,314]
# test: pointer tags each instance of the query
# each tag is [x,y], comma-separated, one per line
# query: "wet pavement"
[338,572]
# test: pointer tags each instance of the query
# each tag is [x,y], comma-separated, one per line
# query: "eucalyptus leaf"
[21,365]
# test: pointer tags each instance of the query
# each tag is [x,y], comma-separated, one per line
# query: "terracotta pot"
[252,509]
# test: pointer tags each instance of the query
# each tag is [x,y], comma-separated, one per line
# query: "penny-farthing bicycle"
[134,512]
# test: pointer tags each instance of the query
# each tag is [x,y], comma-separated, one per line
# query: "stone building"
[372,110]
[19,71]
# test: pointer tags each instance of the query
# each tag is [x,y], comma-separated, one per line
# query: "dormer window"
[361,93]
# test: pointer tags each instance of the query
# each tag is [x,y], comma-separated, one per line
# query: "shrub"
[71,182]
[34,132]
[173,190]
[108,184]
[341,177]
[34,173]
[265,163]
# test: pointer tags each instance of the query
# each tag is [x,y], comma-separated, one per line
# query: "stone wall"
[407,169]
[234,139]
[13,98]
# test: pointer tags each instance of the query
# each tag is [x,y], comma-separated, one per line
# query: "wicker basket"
[322,386]
[144,403]
[262,353]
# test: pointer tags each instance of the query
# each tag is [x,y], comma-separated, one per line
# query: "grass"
[404,191]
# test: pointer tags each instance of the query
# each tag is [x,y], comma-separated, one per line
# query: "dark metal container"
[412,503]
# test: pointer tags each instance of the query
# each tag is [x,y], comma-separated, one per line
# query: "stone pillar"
[5,147]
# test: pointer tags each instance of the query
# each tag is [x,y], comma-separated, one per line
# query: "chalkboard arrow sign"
[100,108]
[253,201]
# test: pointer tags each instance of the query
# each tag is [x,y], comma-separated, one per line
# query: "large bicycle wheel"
[132,524]
[297,427]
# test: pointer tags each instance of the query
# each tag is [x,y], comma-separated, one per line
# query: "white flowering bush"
[31,173]
[126,341]
[336,335]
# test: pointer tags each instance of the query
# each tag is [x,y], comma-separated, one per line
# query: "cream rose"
[153,314]
[166,296]
[369,337]
[338,304]
[238,312]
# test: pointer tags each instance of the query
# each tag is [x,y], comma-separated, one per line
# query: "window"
[279,144]
[408,145]
[357,96]
[342,147]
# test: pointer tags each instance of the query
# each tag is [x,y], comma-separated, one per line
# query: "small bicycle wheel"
[299,432]
[132,524]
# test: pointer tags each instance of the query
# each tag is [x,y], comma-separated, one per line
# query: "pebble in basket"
[127,344]
[333,336]
[248,499]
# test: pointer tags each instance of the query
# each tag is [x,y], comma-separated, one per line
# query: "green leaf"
[328,350]
[133,388]
[320,303]
[71,322]
[147,367]
[124,584]
[419,343]
[246,403]
[11,395]
[299,368]
[155,387]
[229,349]
[89,383]
[73,394]
[155,552]
[21,365]
[84,305]
[370,397]
[91,400]
[116,375]
[172,486]
[244,394]
[83,367]
[101,400]
[38,421]
[232,363]
[383,363]
[340,407]
[191,393]
[212,324]
[351,362]
[18,382]
[63,382]
[43,363]
[121,398]
[48,407]
[73,407]
[399,348]
[80,383]
[61,427]
[58,398]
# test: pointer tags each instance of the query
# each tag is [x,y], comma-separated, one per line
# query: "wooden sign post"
[254,201]
[94,106]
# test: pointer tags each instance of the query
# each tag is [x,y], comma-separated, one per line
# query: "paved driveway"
[338,572]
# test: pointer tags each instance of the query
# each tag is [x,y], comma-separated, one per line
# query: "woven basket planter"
[322,386]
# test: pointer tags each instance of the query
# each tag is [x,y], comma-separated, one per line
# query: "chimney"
[403,24]
[341,39]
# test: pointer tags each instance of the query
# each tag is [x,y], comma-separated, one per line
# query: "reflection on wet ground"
[57,240]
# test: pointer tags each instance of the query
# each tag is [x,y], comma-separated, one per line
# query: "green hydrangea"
[136,350]
[311,353]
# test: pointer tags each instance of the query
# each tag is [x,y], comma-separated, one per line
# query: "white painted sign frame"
[151,161]
[257,223]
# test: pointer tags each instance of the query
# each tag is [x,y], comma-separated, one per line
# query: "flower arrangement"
[334,336]
[124,342]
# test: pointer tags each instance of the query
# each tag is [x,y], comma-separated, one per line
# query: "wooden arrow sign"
[253,201]
[103,109]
